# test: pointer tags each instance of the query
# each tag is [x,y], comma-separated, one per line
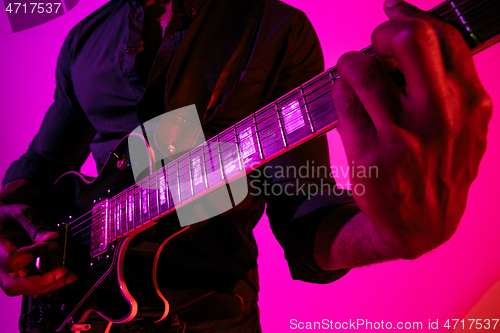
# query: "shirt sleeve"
[300,190]
[62,142]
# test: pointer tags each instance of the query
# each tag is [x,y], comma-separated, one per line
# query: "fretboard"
[299,116]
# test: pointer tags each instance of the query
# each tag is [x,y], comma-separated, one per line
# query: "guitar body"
[118,285]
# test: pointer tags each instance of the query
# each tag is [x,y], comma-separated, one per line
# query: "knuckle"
[479,103]
[46,285]
[448,31]
[13,264]
[415,32]
[359,67]
[484,103]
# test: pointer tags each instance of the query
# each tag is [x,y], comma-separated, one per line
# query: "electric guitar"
[115,245]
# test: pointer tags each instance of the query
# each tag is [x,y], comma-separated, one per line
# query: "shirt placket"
[135,25]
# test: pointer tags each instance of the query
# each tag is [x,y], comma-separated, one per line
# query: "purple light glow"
[292,117]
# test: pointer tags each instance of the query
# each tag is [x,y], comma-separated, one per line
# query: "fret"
[144,193]
[319,99]
[295,116]
[221,165]
[173,183]
[476,20]
[280,122]
[462,19]
[306,107]
[203,150]
[367,50]
[198,171]
[334,74]
[227,143]
[123,213]
[117,223]
[482,18]
[248,142]
[163,193]
[111,221]
[229,152]
[238,152]
[137,206]
[289,107]
[269,131]
[311,87]
[130,209]
[190,172]
[460,22]
[184,175]
[213,163]
[261,153]
[153,195]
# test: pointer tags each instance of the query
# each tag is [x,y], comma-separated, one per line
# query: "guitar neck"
[299,116]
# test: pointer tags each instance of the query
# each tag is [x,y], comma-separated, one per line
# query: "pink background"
[445,283]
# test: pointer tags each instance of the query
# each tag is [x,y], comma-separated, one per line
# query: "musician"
[131,61]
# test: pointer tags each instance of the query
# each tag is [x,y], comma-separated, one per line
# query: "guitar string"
[164,169]
[322,76]
[268,112]
[464,12]
[317,84]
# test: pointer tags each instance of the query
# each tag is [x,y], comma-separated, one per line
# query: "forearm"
[350,241]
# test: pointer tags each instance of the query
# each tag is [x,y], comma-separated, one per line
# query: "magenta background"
[443,284]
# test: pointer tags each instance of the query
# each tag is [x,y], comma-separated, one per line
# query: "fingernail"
[392,3]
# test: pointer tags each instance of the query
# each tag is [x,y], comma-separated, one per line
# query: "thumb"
[42,235]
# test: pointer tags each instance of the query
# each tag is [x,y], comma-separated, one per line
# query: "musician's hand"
[426,139]
[22,240]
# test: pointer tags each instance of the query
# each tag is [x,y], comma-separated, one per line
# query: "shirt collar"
[192,6]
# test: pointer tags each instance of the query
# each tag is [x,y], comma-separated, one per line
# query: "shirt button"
[138,14]
[131,50]
[193,11]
